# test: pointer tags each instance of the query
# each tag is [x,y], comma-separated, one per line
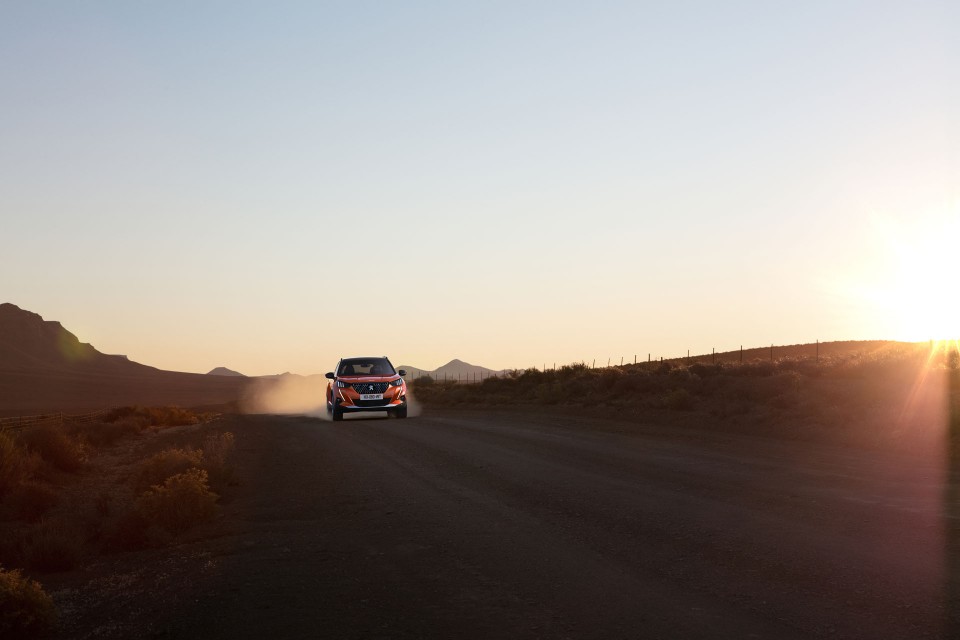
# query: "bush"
[678,400]
[179,503]
[101,434]
[549,393]
[216,449]
[26,611]
[635,382]
[30,500]
[16,464]
[53,546]
[153,416]
[169,462]
[57,448]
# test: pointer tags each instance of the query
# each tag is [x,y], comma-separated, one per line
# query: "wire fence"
[739,356]
[50,419]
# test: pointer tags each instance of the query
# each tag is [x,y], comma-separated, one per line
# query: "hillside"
[453,370]
[223,371]
[45,368]
[30,343]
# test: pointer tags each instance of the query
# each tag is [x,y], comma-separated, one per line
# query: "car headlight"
[398,382]
[343,385]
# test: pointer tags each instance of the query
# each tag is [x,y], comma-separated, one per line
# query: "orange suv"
[366,384]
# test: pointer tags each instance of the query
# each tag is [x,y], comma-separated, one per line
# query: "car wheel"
[401,412]
[337,411]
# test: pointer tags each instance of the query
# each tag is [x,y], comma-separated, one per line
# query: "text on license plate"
[371,396]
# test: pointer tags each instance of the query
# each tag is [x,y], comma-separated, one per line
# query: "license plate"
[371,396]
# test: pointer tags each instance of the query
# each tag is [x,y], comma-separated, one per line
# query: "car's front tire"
[400,412]
[337,411]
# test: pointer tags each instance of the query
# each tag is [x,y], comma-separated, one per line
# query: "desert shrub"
[216,449]
[101,434]
[57,447]
[678,400]
[154,416]
[26,611]
[757,368]
[636,382]
[53,545]
[530,378]
[572,370]
[423,381]
[788,381]
[179,503]
[168,462]
[16,463]
[549,393]
[683,376]
[706,370]
[610,375]
[30,500]
[171,416]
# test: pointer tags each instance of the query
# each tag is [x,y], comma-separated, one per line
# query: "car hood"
[362,379]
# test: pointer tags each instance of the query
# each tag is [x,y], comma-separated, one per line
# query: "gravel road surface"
[516,524]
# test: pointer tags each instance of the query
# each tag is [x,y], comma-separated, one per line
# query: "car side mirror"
[330,375]
[402,372]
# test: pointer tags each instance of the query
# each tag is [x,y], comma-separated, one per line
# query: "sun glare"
[913,281]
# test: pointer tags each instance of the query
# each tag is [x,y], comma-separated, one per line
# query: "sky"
[271,186]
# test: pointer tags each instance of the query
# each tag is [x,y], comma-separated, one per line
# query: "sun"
[913,279]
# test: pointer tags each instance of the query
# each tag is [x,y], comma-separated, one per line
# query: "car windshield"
[365,367]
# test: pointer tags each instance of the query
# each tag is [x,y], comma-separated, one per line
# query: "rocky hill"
[45,368]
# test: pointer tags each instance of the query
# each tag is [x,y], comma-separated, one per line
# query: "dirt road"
[520,525]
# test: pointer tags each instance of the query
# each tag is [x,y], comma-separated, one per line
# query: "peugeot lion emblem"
[370,388]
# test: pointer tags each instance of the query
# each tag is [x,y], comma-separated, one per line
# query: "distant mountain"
[223,371]
[283,376]
[453,370]
[45,368]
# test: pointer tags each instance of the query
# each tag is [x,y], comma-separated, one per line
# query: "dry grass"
[26,611]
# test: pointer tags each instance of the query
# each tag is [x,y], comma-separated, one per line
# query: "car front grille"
[370,387]
[370,403]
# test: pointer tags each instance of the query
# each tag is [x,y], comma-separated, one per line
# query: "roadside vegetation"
[26,611]
[864,398]
[72,492]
